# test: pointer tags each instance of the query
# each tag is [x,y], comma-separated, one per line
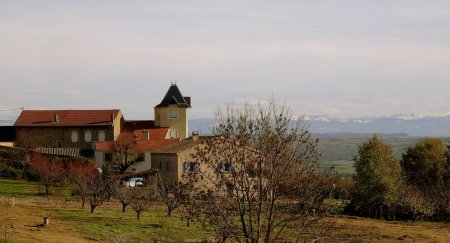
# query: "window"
[191,167]
[230,189]
[173,133]
[140,157]
[74,136]
[87,136]
[108,157]
[168,166]
[101,136]
[225,166]
[173,113]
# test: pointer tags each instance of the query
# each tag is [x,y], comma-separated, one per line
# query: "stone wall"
[55,137]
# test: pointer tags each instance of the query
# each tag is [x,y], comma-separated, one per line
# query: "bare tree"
[124,152]
[190,209]
[81,172]
[142,199]
[124,195]
[173,194]
[261,168]
[97,191]
[49,169]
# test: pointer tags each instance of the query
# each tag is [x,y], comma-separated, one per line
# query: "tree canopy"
[426,163]
[378,174]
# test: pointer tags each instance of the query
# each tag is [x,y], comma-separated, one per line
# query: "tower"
[172,112]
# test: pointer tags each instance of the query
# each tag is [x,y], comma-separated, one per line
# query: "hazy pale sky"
[337,57]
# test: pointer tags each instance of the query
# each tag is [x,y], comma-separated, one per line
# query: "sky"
[341,58]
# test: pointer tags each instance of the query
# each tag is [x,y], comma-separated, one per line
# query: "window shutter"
[196,167]
[186,167]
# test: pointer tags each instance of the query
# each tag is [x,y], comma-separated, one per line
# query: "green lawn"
[21,188]
[343,168]
[154,225]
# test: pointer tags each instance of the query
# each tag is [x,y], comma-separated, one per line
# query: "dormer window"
[173,113]
[173,133]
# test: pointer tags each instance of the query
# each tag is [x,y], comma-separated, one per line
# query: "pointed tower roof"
[174,97]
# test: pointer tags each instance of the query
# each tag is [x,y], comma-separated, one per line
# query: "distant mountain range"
[328,127]
[391,126]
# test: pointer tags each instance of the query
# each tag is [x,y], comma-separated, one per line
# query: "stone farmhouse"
[67,129]
[161,144]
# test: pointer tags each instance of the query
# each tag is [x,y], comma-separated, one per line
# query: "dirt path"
[362,229]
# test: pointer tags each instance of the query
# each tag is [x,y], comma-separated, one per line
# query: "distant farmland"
[339,152]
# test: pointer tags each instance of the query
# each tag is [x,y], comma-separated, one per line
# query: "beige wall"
[142,165]
[118,124]
[161,163]
[137,166]
[177,164]
[181,124]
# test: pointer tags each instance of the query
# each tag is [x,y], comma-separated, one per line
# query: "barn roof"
[58,118]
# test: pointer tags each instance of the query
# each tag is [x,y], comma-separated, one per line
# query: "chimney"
[56,118]
[195,136]
[112,117]
[145,135]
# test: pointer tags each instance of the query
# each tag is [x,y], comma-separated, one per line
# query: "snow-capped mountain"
[411,124]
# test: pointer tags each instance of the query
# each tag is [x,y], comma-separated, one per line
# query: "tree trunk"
[47,189]
[92,208]
[224,238]
[138,215]
[169,211]
[124,206]
[82,202]
[188,222]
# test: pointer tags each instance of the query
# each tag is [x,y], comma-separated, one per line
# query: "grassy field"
[70,223]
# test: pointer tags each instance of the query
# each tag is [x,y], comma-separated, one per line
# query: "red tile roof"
[46,118]
[136,129]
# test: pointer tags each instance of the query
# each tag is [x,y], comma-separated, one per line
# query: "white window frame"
[88,136]
[171,112]
[74,136]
